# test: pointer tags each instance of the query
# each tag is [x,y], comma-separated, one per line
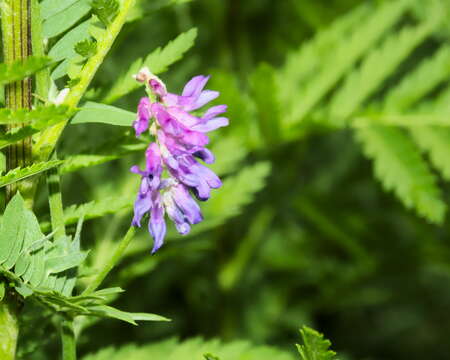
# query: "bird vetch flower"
[173,174]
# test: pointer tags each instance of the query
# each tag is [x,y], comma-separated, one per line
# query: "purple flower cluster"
[180,140]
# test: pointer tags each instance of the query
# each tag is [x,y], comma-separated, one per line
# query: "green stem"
[113,260]
[48,139]
[9,329]
[55,202]
[43,76]
[16,28]
[68,340]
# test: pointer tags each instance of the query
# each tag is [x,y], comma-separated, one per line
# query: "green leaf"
[314,347]
[39,116]
[430,73]
[436,141]
[375,68]
[18,174]
[64,19]
[50,8]
[211,357]
[93,112]
[158,61]
[148,317]
[106,10]
[13,229]
[400,168]
[64,49]
[2,290]
[76,162]
[108,311]
[339,60]
[20,69]
[192,349]
[86,48]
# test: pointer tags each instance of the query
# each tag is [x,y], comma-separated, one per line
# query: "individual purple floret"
[180,141]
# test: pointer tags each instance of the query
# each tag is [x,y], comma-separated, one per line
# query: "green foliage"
[86,48]
[360,84]
[45,269]
[18,174]
[192,349]
[59,16]
[430,73]
[29,259]
[400,167]
[39,117]
[64,49]
[339,60]
[106,10]
[158,61]
[93,112]
[21,69]
[314,347]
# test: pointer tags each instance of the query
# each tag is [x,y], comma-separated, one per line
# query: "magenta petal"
[153,158]
[214,111]
[183,117]
[204,98]
[142,122]
[211,125]
[194,138]
[195,86]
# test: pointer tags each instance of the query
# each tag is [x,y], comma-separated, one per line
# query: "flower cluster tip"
[173,175]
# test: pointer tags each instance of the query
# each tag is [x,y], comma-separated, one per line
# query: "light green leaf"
[106,10]
[23,173]
[339,60]
[39,116]
[194,348]
[108,311]
[400,167]
[65,19]
[93,112]
[361,83]
[20,69]
[314,347]
[13,228]
[430,73]
[50,8]
[148,317]
[65,47]
[76,162]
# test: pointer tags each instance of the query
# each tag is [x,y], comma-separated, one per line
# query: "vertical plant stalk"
[69,349]
[55,201]
[17,45]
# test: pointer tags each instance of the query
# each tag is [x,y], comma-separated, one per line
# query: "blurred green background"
[308,236]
